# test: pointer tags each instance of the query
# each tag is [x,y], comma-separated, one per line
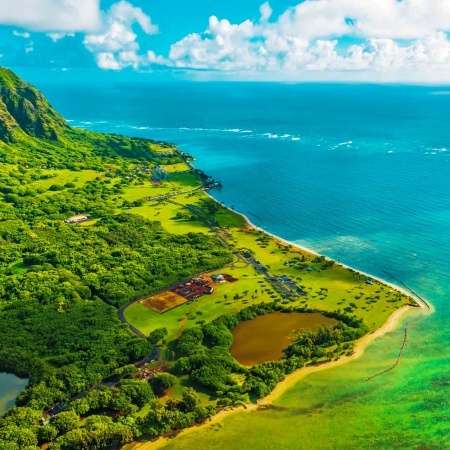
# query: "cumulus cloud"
[382,37]
[116,46]
[266,11]
[390,36]
[51,15]
[406,19]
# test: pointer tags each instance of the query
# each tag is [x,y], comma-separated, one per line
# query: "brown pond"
[265,337]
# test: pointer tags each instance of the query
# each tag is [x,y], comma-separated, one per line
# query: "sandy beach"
[391,324]
[293,378]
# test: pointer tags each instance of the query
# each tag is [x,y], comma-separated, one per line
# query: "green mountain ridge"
[33,134]
[24,108]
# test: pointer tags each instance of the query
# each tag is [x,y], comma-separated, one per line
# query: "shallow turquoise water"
[359,173]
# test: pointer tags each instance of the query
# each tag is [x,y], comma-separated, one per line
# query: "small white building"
[76,219]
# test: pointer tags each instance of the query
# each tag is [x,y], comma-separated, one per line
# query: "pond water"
[265,337]
[10,388]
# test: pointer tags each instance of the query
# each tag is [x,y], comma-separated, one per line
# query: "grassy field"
[64,176]
[208,307]
[166,213]
[331,289]
[334,288]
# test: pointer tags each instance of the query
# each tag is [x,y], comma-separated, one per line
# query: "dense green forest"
[60,284]
[62,297]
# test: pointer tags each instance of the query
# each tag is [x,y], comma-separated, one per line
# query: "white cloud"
[266,12]
[398,38]
[406,19]
[58,36]
[116,46]
[107,61]
[384,39]
[220,48]
[51,15]
[24,35]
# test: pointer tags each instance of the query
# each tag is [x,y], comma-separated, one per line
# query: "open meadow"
[329,286]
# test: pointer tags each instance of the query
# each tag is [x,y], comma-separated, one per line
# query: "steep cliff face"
[23,107]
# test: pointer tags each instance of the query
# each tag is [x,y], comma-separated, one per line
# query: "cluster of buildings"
[144,373]
[222,278]
[194,288]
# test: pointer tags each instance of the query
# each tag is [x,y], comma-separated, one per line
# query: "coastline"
[404,291]
[361,344]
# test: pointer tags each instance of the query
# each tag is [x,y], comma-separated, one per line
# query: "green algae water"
[357,172]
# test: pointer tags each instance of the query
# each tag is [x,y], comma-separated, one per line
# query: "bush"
[161,382]
[56,187]
[65,421]
[157,335]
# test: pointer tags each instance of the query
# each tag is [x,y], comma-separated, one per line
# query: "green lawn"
[335,288]
[207,307]
[64,176]
[165,213]
[146,189]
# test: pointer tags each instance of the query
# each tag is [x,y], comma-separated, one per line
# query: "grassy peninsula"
[121,281]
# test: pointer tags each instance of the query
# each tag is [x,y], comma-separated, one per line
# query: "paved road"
[263,271]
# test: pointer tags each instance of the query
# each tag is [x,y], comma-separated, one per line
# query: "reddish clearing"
[164,301]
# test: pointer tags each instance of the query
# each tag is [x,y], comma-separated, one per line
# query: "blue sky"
[309,40]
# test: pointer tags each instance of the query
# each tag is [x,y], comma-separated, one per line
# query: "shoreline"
[293,378]
[392,322]
[404,291]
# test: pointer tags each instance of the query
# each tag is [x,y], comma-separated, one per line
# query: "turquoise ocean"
[360,173]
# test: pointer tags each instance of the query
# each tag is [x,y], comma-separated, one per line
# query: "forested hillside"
[61,284]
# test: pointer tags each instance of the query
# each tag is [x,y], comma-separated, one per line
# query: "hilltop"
[32,133]
[23,109]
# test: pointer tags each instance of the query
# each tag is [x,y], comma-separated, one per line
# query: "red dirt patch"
[164,301]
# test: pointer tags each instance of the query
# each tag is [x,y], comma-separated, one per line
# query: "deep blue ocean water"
[357,172]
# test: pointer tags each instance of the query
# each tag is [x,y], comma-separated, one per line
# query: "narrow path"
[191,310]
[405,337]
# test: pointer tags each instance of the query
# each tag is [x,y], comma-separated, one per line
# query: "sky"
[401,41]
